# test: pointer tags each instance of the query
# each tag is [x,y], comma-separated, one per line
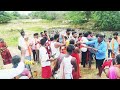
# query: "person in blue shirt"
[100,48]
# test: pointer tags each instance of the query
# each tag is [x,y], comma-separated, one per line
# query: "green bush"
[4,17]
[43,15]
[106,20]
[76,17]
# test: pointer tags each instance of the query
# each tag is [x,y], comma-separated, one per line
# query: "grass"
[10,31]
[85,72]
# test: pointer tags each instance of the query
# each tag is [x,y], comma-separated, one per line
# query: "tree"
[88,14]
[4,17]
[77,17]
[15,15]
[43,15]
[107,20]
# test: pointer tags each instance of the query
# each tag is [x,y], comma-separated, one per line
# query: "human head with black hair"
[86,34]
[109,39]
[100,38]
[74,34]
[35,35]
[16,60]
[97,35]
[73,30]
[89,32]
[65,37]
[68,31]
[72,41]
[70,49]
[115,35]
[41,33]
[56,37]
[80,34]
[22,33]
[51,39]
[118,59]
[43,41]
[45,32]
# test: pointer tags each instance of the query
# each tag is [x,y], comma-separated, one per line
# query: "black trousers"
[109,52]
[90,59]
[84,57]
[35,55]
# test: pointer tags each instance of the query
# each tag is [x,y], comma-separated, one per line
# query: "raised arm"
[59,44]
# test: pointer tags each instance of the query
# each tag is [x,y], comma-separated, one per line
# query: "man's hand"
[51,59]
[95,49]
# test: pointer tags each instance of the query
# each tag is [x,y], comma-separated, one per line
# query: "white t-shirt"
[13,72]
[54,50]
[67,65]
[20,41]
[84,40]
[44,57]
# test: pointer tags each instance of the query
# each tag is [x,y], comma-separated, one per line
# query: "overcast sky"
[23,12]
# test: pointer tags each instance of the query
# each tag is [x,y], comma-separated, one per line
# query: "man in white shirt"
[84,49]
[45,61]
[21,40]
[13,72]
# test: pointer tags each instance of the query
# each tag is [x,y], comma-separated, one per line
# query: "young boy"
[45,61]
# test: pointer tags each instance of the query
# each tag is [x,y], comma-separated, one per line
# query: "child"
[45,61]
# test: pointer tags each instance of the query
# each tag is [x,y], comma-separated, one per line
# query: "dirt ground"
[85,72]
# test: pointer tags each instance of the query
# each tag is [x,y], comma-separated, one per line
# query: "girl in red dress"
[76,75]
[5,54]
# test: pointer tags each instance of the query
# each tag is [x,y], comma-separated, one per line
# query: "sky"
[23,12]
[27,12]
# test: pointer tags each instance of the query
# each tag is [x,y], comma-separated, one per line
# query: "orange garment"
[76,75]
[29,48]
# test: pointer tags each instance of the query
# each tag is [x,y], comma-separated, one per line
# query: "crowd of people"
[62,55]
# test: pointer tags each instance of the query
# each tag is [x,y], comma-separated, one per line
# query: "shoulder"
[73,59]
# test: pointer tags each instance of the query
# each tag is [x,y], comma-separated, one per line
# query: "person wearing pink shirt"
[114,70]
[35,43]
